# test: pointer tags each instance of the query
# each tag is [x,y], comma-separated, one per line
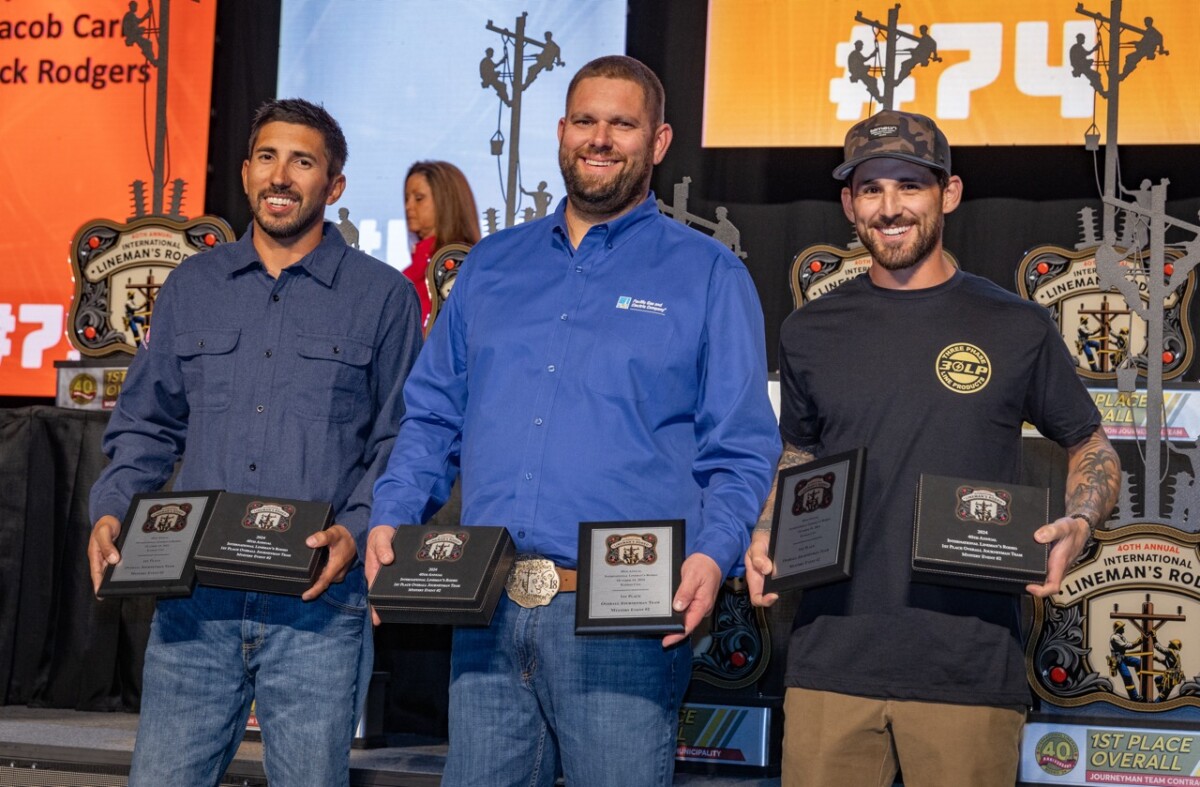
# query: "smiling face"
[898,208]
[288,184]
[607,147]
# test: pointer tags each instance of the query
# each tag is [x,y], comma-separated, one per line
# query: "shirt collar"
[615,231]
[321,263]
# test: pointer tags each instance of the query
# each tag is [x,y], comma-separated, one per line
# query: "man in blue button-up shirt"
[274,366]
[602,364]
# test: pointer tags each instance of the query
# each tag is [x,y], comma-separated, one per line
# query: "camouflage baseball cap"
[892,134]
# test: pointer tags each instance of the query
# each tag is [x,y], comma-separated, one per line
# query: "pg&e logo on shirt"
[624,301]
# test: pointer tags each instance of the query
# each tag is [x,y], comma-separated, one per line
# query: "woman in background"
[440,209]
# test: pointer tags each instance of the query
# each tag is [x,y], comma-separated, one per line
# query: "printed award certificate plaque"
[628,575]
[447,575]
[816,510]
[158,544]
[979,533]
[256,542]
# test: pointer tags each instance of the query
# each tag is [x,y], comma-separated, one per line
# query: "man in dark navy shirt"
[274,367]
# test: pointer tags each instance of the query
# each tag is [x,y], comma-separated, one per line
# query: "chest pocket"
[629,356]
[332,380]
[207,360]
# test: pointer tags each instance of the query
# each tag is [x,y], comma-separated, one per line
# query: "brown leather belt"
[534,580]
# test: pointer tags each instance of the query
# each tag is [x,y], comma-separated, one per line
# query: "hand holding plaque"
[979,533]
[443,575]
[158,544]
[257,543]
[628,575]
[816,511]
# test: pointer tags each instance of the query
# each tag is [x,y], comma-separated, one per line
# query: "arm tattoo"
[1093,480]
[790,457]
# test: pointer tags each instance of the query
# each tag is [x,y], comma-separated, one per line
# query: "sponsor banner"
[1086,754]
[723,734]
[78,88]
[781,73]
[1124,414]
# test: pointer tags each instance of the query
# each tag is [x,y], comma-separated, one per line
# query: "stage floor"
[37,742]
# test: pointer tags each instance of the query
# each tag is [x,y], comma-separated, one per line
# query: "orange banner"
[78,109]
[788,73]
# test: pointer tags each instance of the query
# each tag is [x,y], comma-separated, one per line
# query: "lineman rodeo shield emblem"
[1101,332]
[1122,629]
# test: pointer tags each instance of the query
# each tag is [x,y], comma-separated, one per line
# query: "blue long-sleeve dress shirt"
[287,387]
[622,380]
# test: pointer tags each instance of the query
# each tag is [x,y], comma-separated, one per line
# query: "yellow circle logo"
[964,368]
[82,389]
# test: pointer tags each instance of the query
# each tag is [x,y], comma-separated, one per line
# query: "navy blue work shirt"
[622,380]
[289,387]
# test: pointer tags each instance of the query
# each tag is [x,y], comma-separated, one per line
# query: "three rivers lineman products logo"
[1122,629]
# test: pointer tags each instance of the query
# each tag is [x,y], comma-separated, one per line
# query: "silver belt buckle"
[532,582]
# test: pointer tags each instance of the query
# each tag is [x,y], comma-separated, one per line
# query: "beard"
[928,233]
[280,228]
[605,196]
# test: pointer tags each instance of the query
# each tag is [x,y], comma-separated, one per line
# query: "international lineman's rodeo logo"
[167,518]
[813,494]
[1100,329]
[442,547]
[631,549]
[269,516]
[983,506]
[1121,627]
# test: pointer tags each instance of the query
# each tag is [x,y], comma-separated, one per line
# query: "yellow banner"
[786,73]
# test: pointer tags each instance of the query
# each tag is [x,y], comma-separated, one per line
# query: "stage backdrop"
[777,71]
[77,108]
[405,82]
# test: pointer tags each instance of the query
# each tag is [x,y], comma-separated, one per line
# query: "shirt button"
[537,421]
[336,349]
[562,317]
[579,269]
[550,368]
[267,353]
[609,245]
[529,476]
[260,408]
[200,343]
[520,534]
[275,297]
[253,467]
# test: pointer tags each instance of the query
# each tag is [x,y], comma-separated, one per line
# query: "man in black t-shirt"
[883,671]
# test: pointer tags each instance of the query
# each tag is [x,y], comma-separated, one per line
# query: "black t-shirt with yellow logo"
[932,381]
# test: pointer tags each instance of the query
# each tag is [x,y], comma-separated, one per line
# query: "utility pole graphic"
[510,81]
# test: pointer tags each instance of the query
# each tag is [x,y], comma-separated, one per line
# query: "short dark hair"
[304,113]
[624,67]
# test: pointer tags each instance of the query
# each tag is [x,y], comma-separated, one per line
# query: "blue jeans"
[210,654]
[528,696]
